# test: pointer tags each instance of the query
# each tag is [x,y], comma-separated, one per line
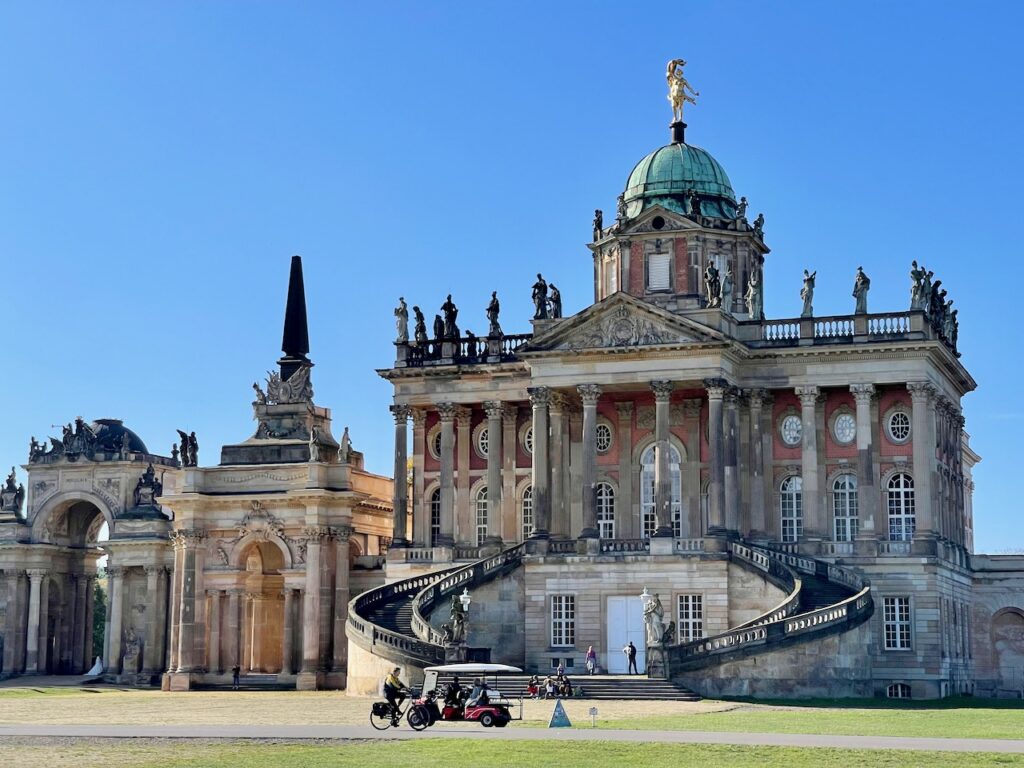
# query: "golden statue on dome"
[678,86]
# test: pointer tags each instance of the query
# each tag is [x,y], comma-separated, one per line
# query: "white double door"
[625,622]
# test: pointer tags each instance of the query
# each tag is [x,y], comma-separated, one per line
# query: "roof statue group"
[547,303]
[861,285]
[12,495]
[189,451]
[927,295]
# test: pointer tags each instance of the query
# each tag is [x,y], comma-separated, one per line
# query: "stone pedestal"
[661,545]
[454,653]
[657,663]
[178,681]
[309,681]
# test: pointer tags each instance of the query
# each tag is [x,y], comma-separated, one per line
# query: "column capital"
[808,394]
[862,393]
[716,388]
[559,402]
[539,396]
[920,390]
[400,412]
[113,572]
[343,533]
[37,574]
[589,393]
[419,417]
[510,414]
[732,396]
[625,408]
[186,538]
[462,414]
[314,534]
[446,411]
[691,407]
[235,592]
[494,409]
[214,592]
[662,389]
[152,570]
[758,398]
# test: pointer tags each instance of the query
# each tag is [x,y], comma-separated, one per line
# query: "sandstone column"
[560,516]
[494,409]
[867,489]
[662,460]
[178,542]
[12,626]
[188,621]
[589,393]
[716,485]
[420,513]
[115,578]
[309,678]
[447,536]
[339,661]
[465,507]
[813,517]
[540,397]
[235,624]
[401,487]
[510,515]
[215,622]
[288,636]
[694,524]
[35,580]
[625,519]
[757,508]
[78,654]
[731,461]
[90,615]
[152,647]
[922,396]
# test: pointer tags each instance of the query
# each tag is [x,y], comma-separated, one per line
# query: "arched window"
[844,507]
[527,512]
[902,521]
[898,691]
[647,491]
[435,516]
[791,504]
[481,515]
[606,511]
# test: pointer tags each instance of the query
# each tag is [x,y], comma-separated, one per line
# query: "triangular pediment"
[622,321]
[671,222]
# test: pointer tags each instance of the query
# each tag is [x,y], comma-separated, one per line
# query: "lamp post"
[465,599]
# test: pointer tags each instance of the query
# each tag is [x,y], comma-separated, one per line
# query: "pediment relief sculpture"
[623,327]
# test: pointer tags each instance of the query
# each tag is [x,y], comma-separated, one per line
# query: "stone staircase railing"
[425,646]
[784,624]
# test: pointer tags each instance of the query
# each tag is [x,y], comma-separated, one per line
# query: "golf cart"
[489,708]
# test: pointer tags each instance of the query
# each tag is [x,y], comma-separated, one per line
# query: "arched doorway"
[263,628]
[1008,649]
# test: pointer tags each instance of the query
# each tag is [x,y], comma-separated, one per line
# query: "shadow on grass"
[953,702]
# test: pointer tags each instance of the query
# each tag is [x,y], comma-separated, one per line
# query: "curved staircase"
[822,599]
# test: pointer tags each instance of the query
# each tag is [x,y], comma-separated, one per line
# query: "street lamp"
[465,599]
[645,595]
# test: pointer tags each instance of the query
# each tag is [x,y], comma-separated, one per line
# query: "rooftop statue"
[759,225]
[598,223]
[12,494]
[438,328]
[314,444]
[451,313]
[189,449]
[421,326]
[402,321]
[741,209]
[555,302]
[693,203]
[148,488]
[861,285]
[755,296]
[261,396]
[727,288]
[807,293]
[712,286]
[620,207]
[493,310]
[917,286]
[540,299]
[679,89]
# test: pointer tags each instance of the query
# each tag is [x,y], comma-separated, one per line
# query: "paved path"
[512,733]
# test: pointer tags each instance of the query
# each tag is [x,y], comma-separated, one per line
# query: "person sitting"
[533,687]
[565,687]
[478,696]
[394,689]
[453,693]
[549,688]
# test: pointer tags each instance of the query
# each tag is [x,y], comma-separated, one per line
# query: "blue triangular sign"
[558,717]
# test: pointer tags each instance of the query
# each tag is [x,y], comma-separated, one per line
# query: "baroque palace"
[767,507]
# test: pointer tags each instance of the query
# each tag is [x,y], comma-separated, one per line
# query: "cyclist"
[394,691]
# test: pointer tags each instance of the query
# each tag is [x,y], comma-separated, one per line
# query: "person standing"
[630,651]
[236,672]
[591,661]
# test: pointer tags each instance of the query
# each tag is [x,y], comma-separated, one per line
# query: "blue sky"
[160,162]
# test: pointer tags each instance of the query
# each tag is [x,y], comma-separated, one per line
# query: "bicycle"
[383,715]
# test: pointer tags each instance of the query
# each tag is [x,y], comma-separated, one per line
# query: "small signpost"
[593,717]
[558,717]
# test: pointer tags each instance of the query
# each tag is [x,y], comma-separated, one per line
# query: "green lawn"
[444,754]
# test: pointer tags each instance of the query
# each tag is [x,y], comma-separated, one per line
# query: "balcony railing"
[466,350]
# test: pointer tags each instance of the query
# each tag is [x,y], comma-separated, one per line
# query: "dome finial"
[679,92]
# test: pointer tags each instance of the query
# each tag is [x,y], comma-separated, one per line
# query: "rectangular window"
[896,617]
[690,617]
[658,277]
[563,620]
[611,281]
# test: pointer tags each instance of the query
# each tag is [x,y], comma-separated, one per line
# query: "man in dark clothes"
[630,651]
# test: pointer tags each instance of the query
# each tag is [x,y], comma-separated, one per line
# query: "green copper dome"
[667,175]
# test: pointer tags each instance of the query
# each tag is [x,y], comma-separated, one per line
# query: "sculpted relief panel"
[623,328]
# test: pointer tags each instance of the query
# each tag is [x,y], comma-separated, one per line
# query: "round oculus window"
[435,445]
[603,438]
[482,441]
[792,429]
[845,428]
[528,440]
[658,222]
[899,427]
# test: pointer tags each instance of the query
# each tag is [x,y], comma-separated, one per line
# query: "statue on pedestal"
[174,453]
[861,285]
[148,488]
[755,297]
[807,293]
[493,309]
[458,621]
[679,90]
[421,327]
[620,207]
[12,494]
[346,447]
[540,299]
[727,288]
[314,444]
[598,223]
[555,302]
[693,203]
[261,396]
[654,620]
[402,321]
[712,286]
[741,209]
[451,313]
[759,226]
[917,275]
